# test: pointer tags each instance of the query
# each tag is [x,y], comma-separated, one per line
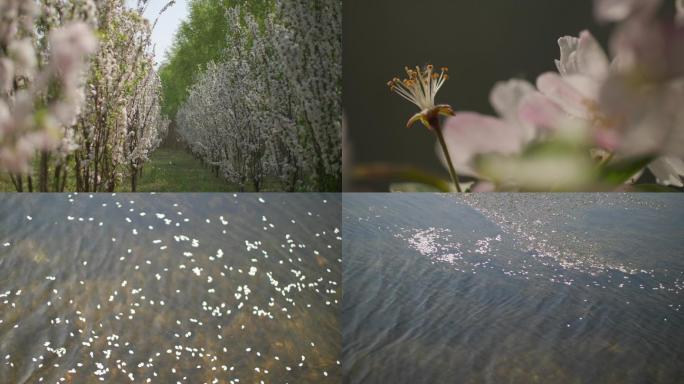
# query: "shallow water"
[517,288]
[169,288]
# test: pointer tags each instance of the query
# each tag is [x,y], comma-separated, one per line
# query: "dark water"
[524,288]
[203,288]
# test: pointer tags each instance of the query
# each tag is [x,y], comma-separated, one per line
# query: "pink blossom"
[633,104]
[468,134]
[617,10]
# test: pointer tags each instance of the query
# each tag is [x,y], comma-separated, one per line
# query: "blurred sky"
[481,41]
[163,34]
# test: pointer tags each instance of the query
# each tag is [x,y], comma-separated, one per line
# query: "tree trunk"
[293,182]
[63,182]
[79,176]
[18,184]
[134,179]
[55,179]
[43,171]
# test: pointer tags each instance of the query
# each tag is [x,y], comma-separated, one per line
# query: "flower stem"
[438,131]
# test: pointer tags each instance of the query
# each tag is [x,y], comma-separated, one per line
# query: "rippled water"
[513,288]
[169,288]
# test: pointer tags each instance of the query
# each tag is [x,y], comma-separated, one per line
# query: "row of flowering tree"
[79,96]
[270,109]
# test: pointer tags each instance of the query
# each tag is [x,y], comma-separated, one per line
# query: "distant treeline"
[199,40]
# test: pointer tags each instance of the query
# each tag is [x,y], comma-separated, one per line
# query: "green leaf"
[413,187]
[400,174]
[618,172]
[651,188]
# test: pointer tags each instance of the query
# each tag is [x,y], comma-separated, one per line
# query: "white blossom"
[271,107]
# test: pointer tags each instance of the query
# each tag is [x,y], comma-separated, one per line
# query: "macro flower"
[420,88]
[495,150]
[629,107]
[469,134]
[632,103]
[582,68]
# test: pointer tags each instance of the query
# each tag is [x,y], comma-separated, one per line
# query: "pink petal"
[506,96]
[617,10]
[668,171]
[608,139]
[591,58]
[582,56]
[567,64]
[484,186]
[540,111]
[553,86]
[468,134]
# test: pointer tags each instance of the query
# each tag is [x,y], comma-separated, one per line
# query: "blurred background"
[481,41]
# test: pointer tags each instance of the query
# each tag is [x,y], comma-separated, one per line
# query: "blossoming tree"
[71,72]
[43,59]
[111,146]
[271,107]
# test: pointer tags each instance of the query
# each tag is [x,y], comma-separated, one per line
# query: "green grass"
[169,170]
[175,170]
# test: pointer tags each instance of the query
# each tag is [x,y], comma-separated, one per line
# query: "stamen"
[420,86]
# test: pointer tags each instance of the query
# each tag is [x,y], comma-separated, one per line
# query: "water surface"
[513,288]
[171,288]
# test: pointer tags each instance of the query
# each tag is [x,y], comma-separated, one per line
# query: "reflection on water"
[203,288]
[515,288]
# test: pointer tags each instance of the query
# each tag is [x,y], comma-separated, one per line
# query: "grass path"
[175,170]
[169,170]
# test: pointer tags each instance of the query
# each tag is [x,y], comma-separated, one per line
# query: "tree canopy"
[200,39]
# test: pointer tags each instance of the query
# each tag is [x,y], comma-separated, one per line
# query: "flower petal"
[420,116]
[650,51]
[484,186]
[582,56]
[567,64]
[651,118]
[444,110]
[592,60]
[616,10]
[561,92]
[668,171]
[506,96]
[468,134]
[539,111]
[586,86]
